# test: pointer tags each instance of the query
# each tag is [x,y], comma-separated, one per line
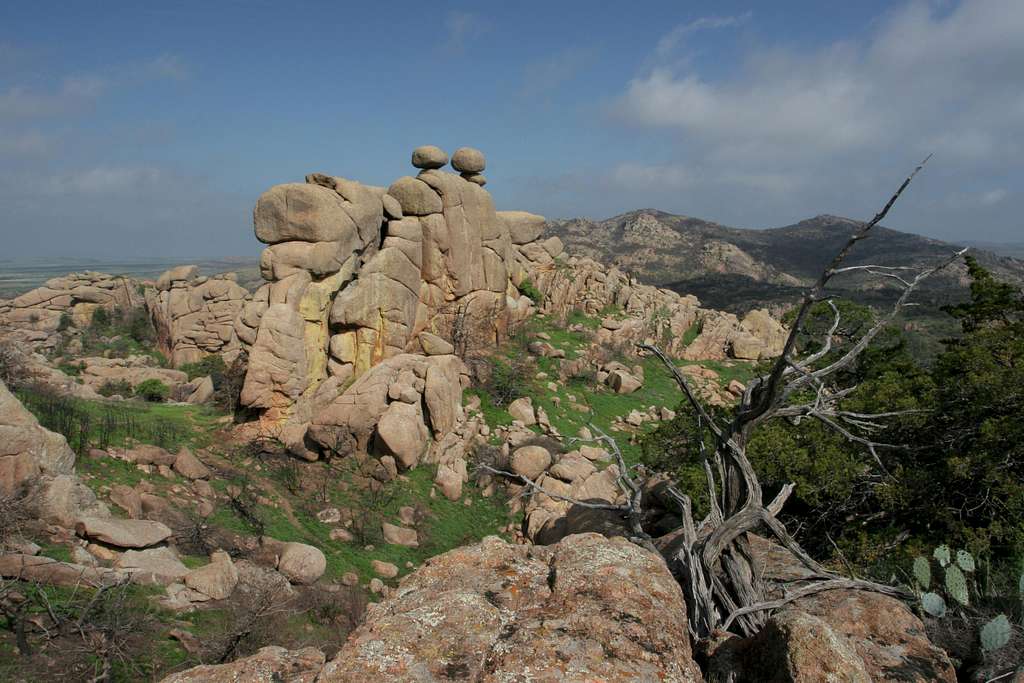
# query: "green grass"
[446,525]
[692,332]
[659,388]
[102,424]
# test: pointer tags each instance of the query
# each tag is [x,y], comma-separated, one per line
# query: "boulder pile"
[650,315]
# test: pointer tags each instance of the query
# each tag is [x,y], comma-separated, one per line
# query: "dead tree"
[714,563]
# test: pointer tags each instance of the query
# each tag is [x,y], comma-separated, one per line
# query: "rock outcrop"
[358,275]
[676,323]
[195,316]
[76,295]
[587,609]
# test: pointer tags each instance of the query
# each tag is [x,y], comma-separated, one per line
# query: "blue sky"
[138,129]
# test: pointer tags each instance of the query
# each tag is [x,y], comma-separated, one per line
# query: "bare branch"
[770,391]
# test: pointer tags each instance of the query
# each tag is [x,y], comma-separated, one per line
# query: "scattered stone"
[123,533]
[301,563]
[157,565]
[189,466]
[522,409]
[217,579]
[384,569]
[350,579]
[343,535]
[126,498]
[397,535]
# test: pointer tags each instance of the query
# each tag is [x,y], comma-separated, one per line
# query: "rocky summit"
[411,453]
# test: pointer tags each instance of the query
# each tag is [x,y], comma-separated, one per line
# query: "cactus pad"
[956,584]
[933,604]
[942,554]
[995,634]
[923,572]
[965,560]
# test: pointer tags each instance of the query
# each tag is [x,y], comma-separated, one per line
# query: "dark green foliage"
[120,333]
[227,387]
[101,424]
[527,288]
[959,471]
[121,387]
[152,390]
[64,322]
[212,366]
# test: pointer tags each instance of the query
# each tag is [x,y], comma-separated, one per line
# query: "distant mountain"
[737,269]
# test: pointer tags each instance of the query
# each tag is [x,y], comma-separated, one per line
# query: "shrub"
[527,288]
[100,322]
[212,366]
[228,391]
[152,390]
[64,322]
[121,387]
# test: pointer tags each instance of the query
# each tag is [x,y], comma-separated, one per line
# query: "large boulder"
[588,609]
[832,635]
[27,450]
[301,563]
[123,533]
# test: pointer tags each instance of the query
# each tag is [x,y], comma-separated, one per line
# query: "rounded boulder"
[531,461]
[469,160]
[429,156]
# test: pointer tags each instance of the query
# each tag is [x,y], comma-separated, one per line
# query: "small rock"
[350,579]
[397,535]
[384,569]
[189,466]
[343,535]
[522,409]
[217,579]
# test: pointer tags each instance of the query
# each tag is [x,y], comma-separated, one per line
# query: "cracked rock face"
[195,316]
[588,608]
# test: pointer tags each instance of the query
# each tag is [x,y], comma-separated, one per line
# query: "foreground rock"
[834,635]
[269,665]
[587,609]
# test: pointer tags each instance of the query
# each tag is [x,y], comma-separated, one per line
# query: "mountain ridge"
[769,265]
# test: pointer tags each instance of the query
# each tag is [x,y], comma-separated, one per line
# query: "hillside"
[739,269]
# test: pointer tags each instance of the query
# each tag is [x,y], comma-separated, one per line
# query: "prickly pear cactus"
[942,554]
[923,572]
[965,560]
[995,634]
[956,585]
[933,604]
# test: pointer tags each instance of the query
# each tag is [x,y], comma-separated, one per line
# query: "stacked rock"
[470,163]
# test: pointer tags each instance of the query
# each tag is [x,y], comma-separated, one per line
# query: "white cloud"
[549,74]
[671,40]
[108,180]
[462,28]
[993,197]
[797,128]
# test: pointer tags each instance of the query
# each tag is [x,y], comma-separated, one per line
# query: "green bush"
[212,366]
[527,288]
[100,322]
[152,390]
[121,387]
